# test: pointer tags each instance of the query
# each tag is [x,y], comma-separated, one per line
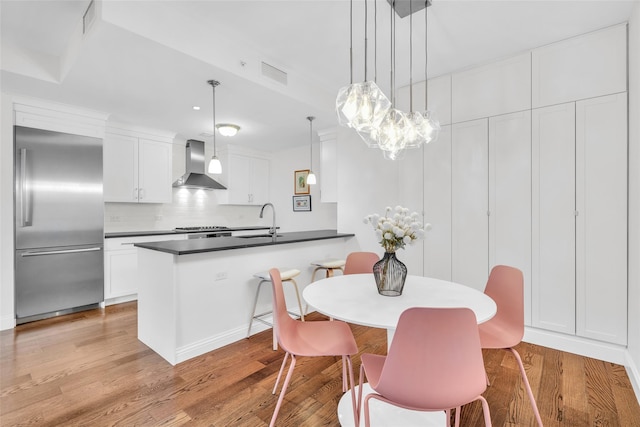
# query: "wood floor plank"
[89,369]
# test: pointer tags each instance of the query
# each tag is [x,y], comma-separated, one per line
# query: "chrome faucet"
[273,230]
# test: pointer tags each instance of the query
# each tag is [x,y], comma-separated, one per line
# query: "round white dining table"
[355,299]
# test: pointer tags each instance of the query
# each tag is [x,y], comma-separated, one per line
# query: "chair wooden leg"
[295,286]
[284,362]
[283,391]
[527,386]
[255,304]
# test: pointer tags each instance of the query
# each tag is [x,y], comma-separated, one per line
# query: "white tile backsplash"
[189,208]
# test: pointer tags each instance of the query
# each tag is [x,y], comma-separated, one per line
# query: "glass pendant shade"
[361,106]
[430,127]
[311,178]
[413,135]
[215,167]
[392,133]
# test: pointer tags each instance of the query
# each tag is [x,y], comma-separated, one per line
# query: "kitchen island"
[196,295]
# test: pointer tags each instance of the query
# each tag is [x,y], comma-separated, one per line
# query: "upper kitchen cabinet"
[136,169]
[586,66]
[493,89]
[246,176]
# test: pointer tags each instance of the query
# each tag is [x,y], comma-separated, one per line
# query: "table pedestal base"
[382,414]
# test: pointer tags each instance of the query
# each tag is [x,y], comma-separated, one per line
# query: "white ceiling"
[148,62]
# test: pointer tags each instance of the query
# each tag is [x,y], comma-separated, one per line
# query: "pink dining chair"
[506,329]
[319,338]
[434,363]
[360,262]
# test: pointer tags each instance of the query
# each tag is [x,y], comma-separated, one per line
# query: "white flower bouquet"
[397,228]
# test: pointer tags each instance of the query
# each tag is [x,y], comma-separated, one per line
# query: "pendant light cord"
[311,118]
[410,56]
[426,50]
[351,40]
[213,84]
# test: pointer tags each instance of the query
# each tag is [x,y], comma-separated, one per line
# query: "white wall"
[367,184]
[634,200]
[283,165]
[7,319]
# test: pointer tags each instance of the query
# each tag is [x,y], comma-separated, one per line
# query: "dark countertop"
[164,232]
[194,246]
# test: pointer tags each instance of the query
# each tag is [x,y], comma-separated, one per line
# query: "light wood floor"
[89,369]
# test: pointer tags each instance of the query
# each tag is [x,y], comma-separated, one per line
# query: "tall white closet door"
[553,225]
[469,204]
[437,206]
[601,240]
[510,195]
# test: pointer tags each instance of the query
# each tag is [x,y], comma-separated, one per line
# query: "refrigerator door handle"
[25,194]
[66,251]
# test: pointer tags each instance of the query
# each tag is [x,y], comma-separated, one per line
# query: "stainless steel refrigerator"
[59,223]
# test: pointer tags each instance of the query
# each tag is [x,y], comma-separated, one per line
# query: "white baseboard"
[7,322]
[120,300]
[584,347]
[634,375]
[212,343]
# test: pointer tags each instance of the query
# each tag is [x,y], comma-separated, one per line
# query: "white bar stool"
[329,265]
[287,276]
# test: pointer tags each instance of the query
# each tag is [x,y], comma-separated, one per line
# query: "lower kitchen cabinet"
[121,264]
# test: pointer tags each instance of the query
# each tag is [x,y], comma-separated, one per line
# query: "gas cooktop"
[202,228]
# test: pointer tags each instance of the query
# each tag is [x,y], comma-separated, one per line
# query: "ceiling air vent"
[89,17]
[273,73]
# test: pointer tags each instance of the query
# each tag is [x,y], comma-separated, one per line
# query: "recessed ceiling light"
[195,107]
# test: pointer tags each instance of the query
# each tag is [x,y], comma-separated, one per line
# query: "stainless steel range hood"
[194,176]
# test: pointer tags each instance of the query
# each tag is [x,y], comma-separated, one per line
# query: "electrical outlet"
[158,217]
[221,275]
[114,218]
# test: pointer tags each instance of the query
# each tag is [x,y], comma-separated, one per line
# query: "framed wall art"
[300,182]
[301,203]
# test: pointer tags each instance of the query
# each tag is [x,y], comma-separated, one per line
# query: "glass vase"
[390,274]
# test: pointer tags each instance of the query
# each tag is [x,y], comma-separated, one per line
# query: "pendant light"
[215,167]
[311,178]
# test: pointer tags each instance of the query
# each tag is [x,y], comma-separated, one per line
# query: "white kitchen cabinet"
[137,170]
[493,89]
[437,206]
[553,202]
[469,203]
[121,264]
[247,180]
[510,195]
[580,218]
[581,67]
[601,224]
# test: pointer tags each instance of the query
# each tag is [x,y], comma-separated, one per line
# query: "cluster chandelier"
[365,108]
